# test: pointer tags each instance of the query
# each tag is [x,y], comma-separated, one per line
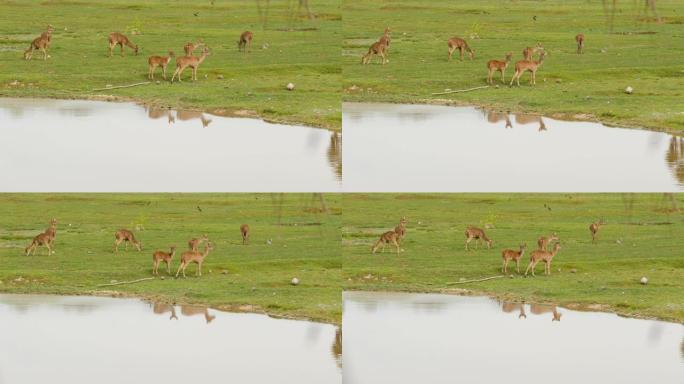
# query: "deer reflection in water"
[154,112]
[334,154]
[494,117]
[159,112]
[675,158]
[536,309]
[337,347]
[162,308]
[186,310]
[192,115]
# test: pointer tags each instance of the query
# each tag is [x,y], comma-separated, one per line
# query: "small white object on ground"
[295,281]
[290,86]
[629,90]
[644,280]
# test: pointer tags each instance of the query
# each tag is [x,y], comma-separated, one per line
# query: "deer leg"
[164,72]
[489,77]
[503,267]
[111,48]
[503,71]
[122,50]
[168,266]
[154,267]
[466,243]
[517,266]
[460,50]
[199,268]
[394,241]
[44,53]
[179,268]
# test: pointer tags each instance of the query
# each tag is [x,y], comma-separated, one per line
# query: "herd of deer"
[189,60]
[528,64]
[193,255]
[543,254]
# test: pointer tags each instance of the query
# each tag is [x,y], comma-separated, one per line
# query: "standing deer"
[245,42]
[386,39]
[41,42]
[189,61]
[159,256]
[42,239]
[457,43]
[192,310]
[125,236]
[390,237]
[51,231]
[194,257]
[474,233]
[158,61]
[194,243]
[190,47]
[528,65]
[580,43]
[594,228]
[545,256]
[400,229]
[496,65]
[544,241]
[529,51]
[378,48]
[116,38]
[508,254]
[244,231]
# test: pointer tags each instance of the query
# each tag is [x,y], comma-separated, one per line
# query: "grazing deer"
[508,254]
[159,256]
[529,51]
[457,43]
[473,233]
[544,241]
[580,43]
[544,256]
[540,309]
[390,237]
[125,236]
[194,257]
[245,42]
[496,65]
[192,310]
[116,38]
[378,48]
[186,115]
[496,117]
[594,228]
[509,307]
[42,239]
[158,61]
[190,47]
[400,229]
[386,39]
[189,61]
[244,231]
[41,42]
[528,65]
[162,308]
[194,243]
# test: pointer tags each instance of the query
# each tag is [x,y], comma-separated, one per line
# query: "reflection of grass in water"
[635,242]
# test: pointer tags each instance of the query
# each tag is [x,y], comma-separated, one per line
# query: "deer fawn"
[457,43]
[125,236]
[159,256]
[245,42]
[158,61]
[496,65]
[473,233]
[528,65]
[192,310]
[194,257]
[508,254]
[244,231]
[378,48]
[544,241]
[594,228]
[529,51]
[400,229]
[545,256]
[389,237]
[189,61]
[42,43]
[116,38]
[580,43]
[194,244]
[190,47]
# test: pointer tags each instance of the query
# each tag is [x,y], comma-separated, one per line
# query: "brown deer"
[389,237]
[594,228]
[158,61]
[189,61]
[386,39]
[378,48]
[509,307]
[192,310]
[194,243]
[194,257]
[508,254]
[580,43]
[544,241]
[400,229]
[41,43]
[190,47]
[51,231]
[540,309]
[496,65]
[528,65]
[162,308]
[545,256]
[245,42]
[530,51]
[474,233]
[125,236]
[116,38]
[42,239]
[457,43]
[244,231]
[159,256]
[186,115]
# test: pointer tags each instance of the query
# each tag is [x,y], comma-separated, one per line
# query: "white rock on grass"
[295,281]
[290,86]
[629,90]
[644,280]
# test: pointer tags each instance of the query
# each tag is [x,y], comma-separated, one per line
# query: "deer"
[528,65]
[474,233]
[162,308]
[51,231]
[125,236]
[544,241]
[189,61]
[42,239]
[159,256]
[389,237]
[186,115]
[386,38]
[190,47]
[540,309]
[497,65]
[194,243]
[116,38]
[194,257]
[244,231]
[545,256]
[580,43]
[192,310]
[508,254]
[594,228]
[530,51]
[245,41]
[378,48]
[400,229]
[158,61]
[41,43]
[457,43]
[509,307]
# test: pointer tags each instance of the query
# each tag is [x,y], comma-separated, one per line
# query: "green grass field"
[254,277]
[644,55]
[302,51]
[642,237]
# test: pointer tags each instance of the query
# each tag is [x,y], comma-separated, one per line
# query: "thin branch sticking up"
[476,280]
[122,86]
[461,90]
[126,282]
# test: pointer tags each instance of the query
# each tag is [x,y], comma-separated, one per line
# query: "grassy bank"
[254,277]
[642,237]
[644,55]
[290,49]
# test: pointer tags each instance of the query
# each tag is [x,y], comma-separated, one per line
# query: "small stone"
[162,278]
[290,86]
[158,82]
[220,77]
[295,281]
[644,280]
[629,90]
[574,270]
